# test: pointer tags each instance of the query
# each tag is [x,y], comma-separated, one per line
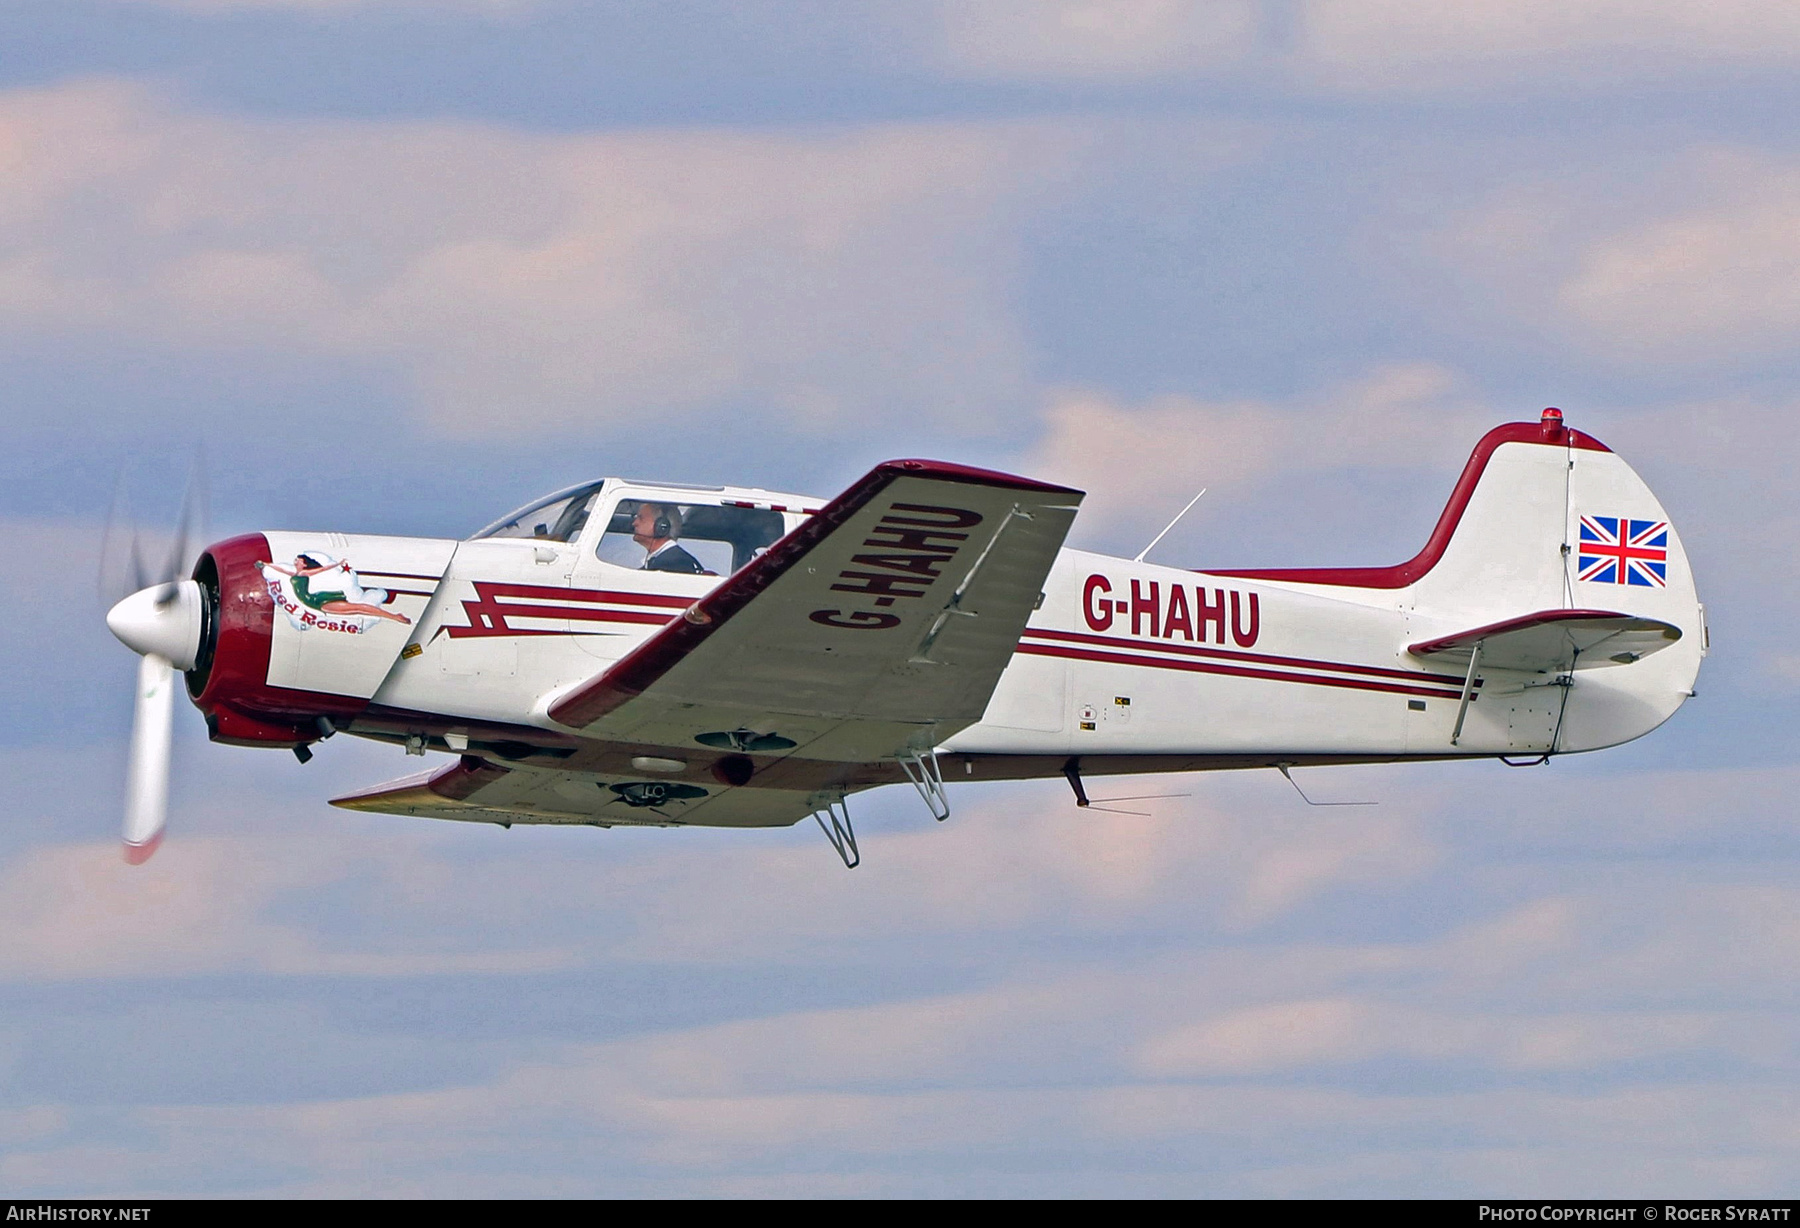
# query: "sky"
[397,266]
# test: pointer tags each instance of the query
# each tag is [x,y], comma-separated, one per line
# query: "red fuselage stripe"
[1226,654]
[497,603]
[583,613]
[1206,667]
[489,589]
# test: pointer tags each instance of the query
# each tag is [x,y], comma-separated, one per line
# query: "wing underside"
[476,791]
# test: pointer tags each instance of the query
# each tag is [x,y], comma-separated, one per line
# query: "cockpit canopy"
[721,531]
[556,518]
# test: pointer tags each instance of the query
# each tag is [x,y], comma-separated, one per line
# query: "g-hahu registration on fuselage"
[926,625]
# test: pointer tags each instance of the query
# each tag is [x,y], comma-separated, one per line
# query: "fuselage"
[465,646]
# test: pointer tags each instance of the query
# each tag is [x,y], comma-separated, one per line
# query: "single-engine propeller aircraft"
[624,652]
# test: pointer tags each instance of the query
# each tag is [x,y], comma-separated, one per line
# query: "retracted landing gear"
[840,833]
[927,776]
[925,772]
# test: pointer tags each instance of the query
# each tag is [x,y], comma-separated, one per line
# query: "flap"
[1553,641]
[900,602]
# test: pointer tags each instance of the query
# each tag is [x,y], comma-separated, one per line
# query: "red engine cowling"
[229,681]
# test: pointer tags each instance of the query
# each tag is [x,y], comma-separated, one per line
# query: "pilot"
[655,527]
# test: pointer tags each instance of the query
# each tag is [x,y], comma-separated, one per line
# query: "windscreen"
[556,518]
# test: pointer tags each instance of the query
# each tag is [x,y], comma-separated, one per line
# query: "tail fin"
[1505,544]
[1546,518]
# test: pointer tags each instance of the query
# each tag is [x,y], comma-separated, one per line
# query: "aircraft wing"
[1553,641]
[477,791]
[882,622]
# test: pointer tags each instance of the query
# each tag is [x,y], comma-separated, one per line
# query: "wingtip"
[138,854]
[949,471]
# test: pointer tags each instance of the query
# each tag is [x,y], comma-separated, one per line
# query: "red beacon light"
[1551,424]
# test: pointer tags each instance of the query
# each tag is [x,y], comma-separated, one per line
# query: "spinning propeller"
[162,617]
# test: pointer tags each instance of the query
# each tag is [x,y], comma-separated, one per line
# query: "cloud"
[1717,282]
[1018,859]
[1265,1038]
[203,905]
[1786,666]
[426,8]
[1680,258]
[1140,463]
[1008,864]
[1417,45]
[24,1126]
[1094,39]
[1290,1036]
[559,280]
[1531,1005]
[1041,1064]
[1365,46]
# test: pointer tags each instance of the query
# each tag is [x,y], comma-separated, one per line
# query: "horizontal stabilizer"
[1554,641]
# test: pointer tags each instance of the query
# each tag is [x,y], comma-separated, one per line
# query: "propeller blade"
[195,496]
[147,780]
[124,569]
[121,567]
[159,616]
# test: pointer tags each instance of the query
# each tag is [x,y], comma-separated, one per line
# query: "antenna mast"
[1178,515]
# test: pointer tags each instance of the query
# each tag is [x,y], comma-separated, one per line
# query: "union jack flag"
[1615,550]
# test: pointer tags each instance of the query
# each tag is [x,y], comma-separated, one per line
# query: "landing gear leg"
[840,833]
[927,776]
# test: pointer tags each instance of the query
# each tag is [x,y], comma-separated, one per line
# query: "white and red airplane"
[927,625]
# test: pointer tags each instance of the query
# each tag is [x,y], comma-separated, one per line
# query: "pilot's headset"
[668,522]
